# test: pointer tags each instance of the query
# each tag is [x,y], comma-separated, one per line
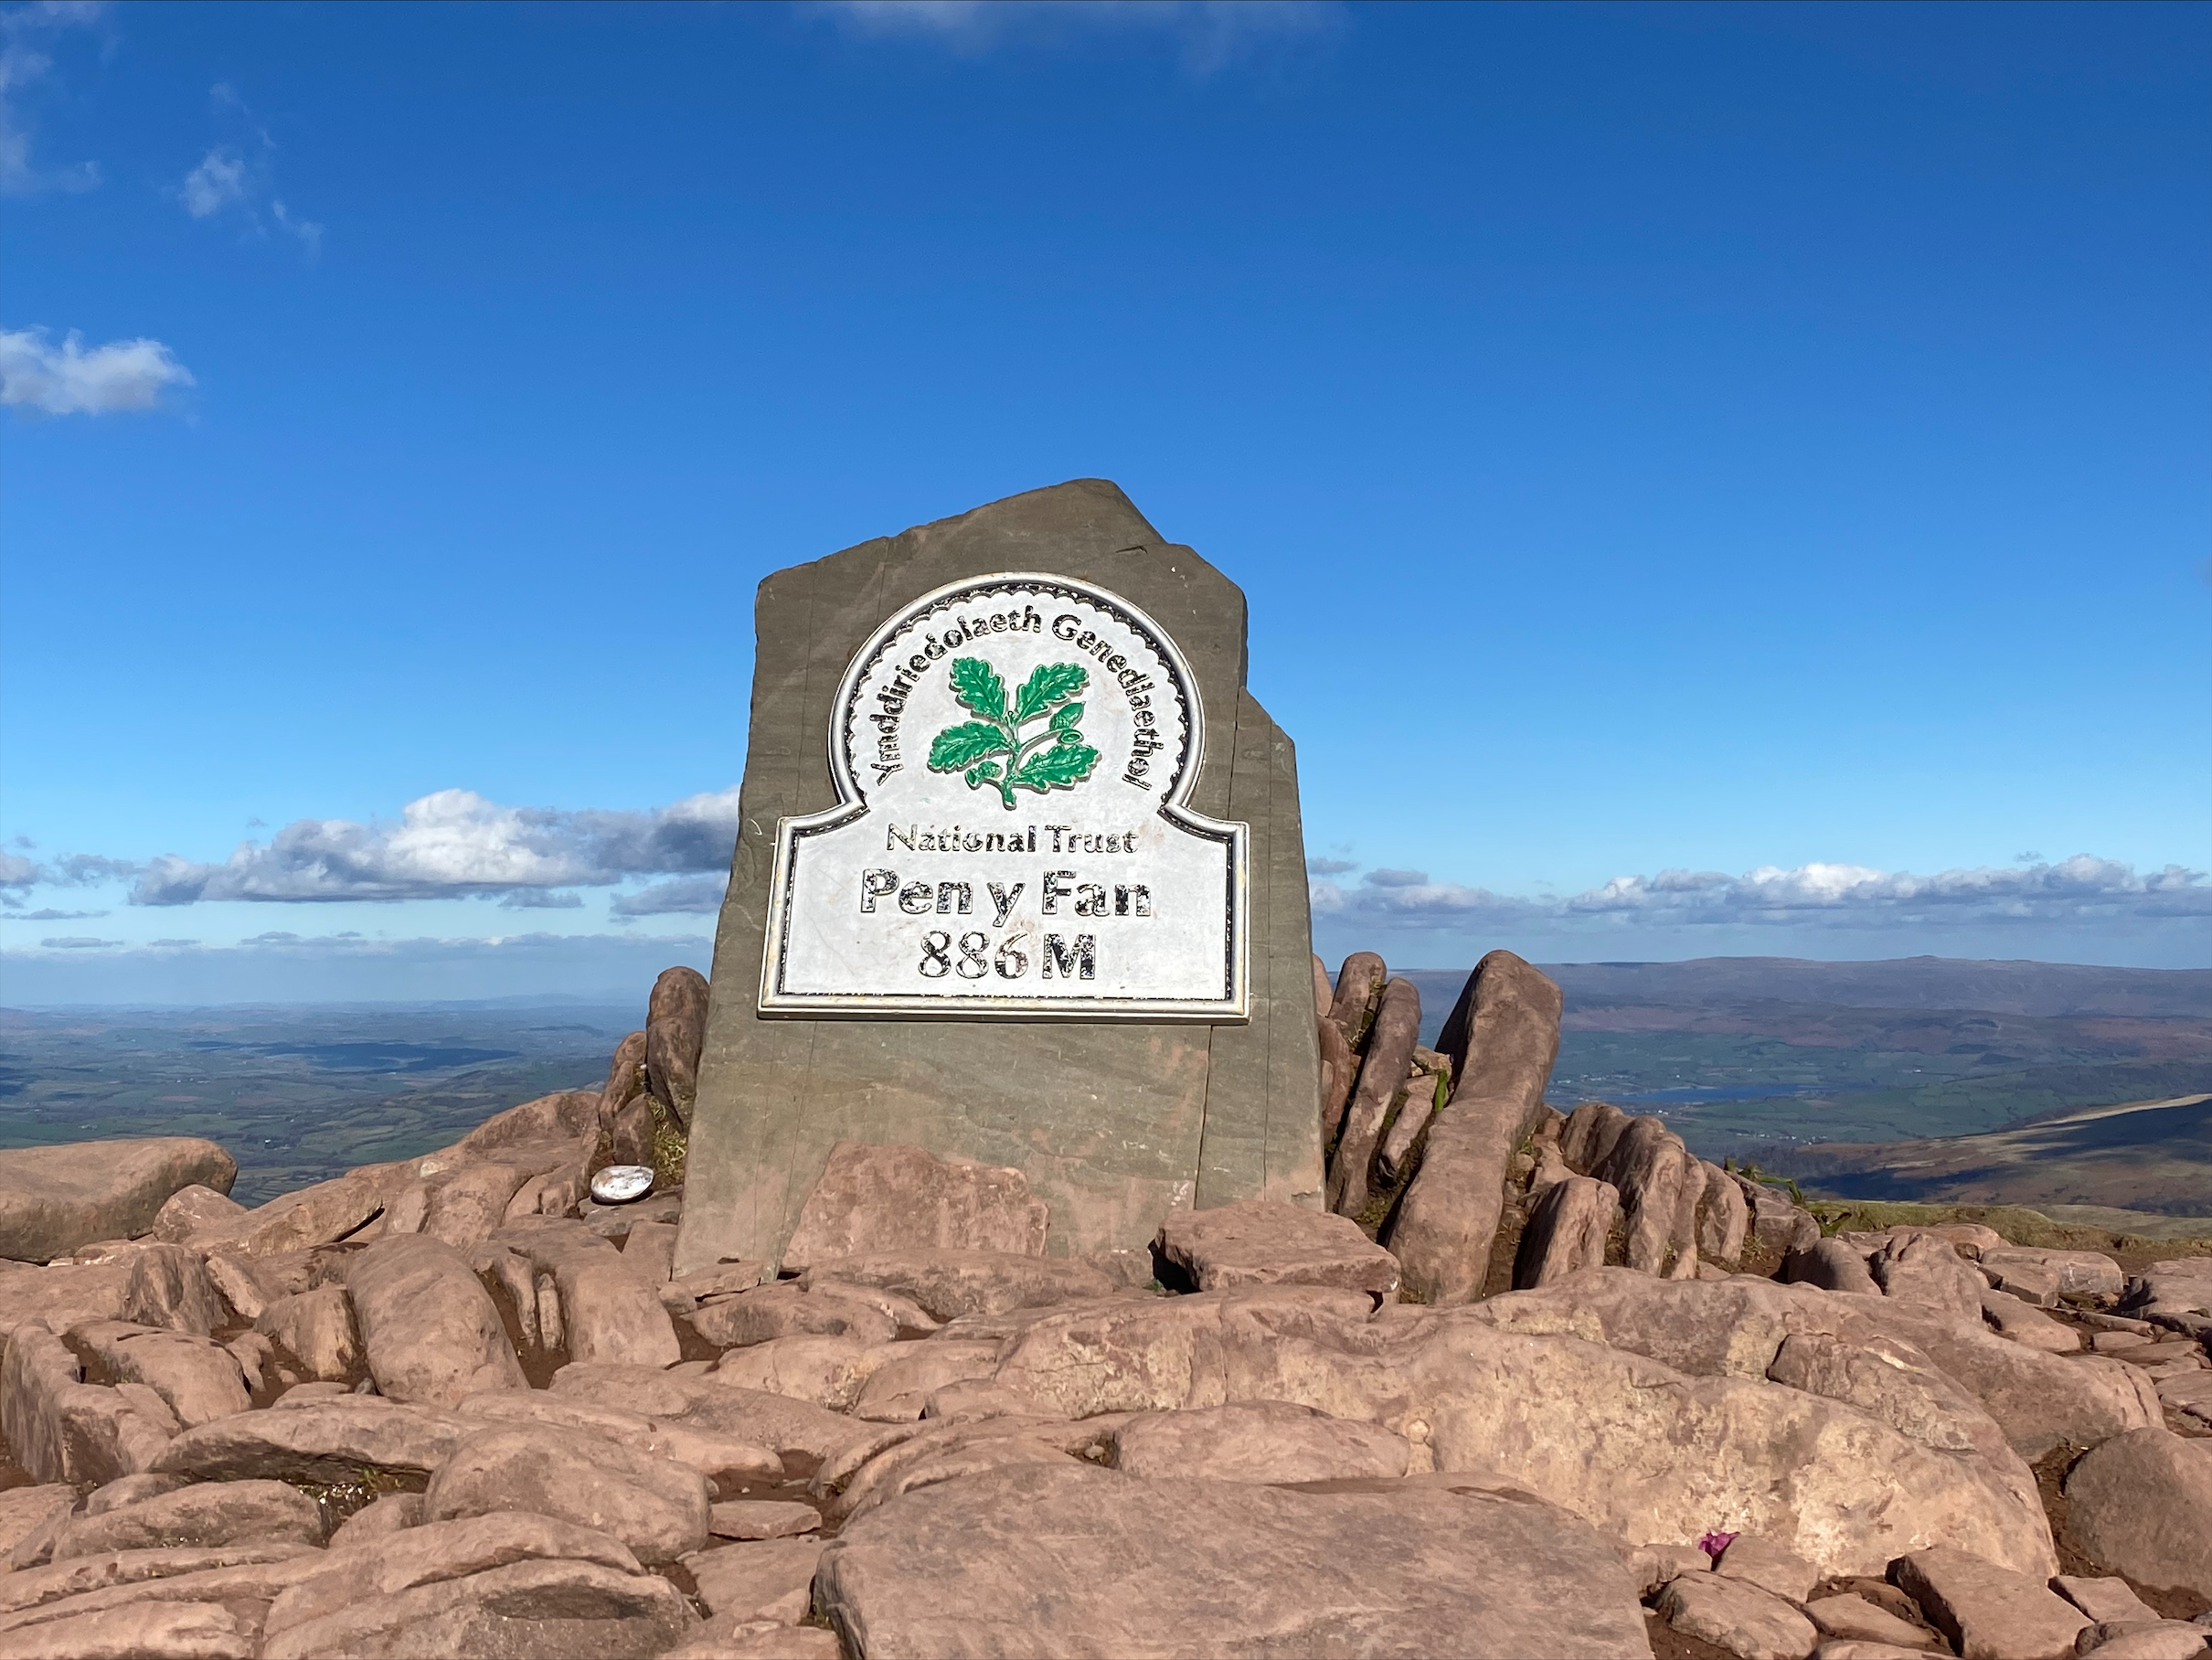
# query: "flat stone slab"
[723,1639]
[950,1284]
[762,1518]
[2079,1273]
[53,1200]
[2109,1602]
[1738,1616]
[431,1332]
[1258,1441]
[1854,1618]
[2142,1505]
[203,1630]
[398,1561]
[2024,1323]
[326,1440]
[653,1505]
[1269,1242]
[761,1580]
[532,1607]
[63,1297]
[2189,1394]
[25,1510]
[1062,1560]
[2145,1640]
[900,1197]
[1768,1566]
[27,1588]
[207,1516]
[782,1425]
[1988,1613]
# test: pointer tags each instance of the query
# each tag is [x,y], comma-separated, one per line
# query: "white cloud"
[217,182]
[455,844]
[2037,892]
[954,17]
[458,844]
[1207,35]
[35,374]
[51,915]
[22,64]
[2082,888]
[687,896]
[288,968]
[77,942]
[307,231]
[234,179]
[536,898]
[83,869]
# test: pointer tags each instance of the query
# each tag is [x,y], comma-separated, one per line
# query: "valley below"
[1954,1082]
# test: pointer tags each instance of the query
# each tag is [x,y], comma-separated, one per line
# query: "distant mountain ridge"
[1781,1061]
[2040,989]
[1744,1057]
[2151,1155]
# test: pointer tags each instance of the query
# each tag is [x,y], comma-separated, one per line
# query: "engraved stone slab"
[1013,756]
[1113,1116]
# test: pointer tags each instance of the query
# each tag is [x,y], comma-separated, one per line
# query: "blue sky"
[1708,480]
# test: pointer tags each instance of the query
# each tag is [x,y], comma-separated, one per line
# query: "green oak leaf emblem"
[991,750]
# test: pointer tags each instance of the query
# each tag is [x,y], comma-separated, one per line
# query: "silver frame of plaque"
[1232,1007]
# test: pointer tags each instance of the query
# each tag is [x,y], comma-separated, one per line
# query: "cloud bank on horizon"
[286,968]
[453,843]
[458,845]
[2083,888]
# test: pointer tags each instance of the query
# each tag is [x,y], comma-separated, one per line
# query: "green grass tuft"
[2016,1224]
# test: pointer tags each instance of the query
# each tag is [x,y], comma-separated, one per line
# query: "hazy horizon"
[1753,1057]
[611,994]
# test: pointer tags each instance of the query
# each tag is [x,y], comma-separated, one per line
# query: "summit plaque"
[1014,756]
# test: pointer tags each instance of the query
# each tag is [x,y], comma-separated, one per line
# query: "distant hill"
[296,1094]
[1770,1058]
[2038,989]
[2142,1156]
[1764,1057]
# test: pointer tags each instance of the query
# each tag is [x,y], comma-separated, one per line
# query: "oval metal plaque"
[622,1183]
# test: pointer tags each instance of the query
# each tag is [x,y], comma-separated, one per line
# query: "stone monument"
[1019,880]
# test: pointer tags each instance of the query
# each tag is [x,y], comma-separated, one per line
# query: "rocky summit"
[1514,1383]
